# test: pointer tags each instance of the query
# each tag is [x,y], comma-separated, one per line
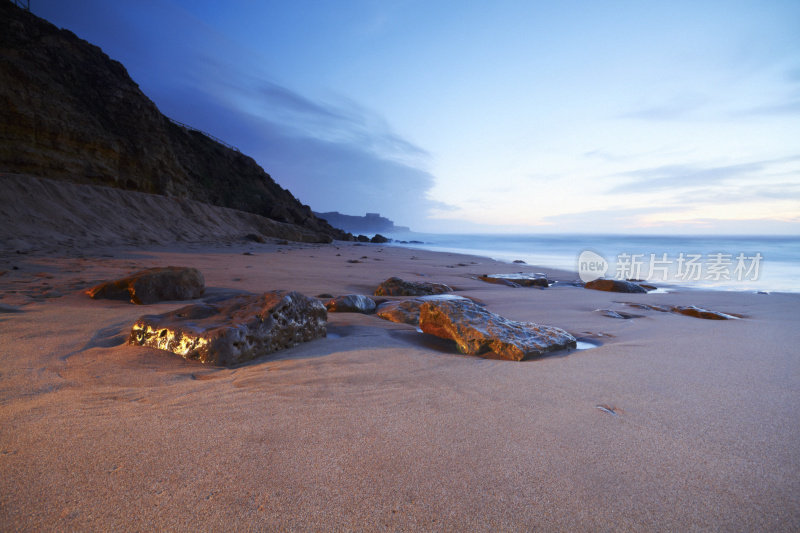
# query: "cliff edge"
[69,112]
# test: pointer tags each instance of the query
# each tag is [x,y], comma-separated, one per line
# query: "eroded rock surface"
[351,303]
[153,285]
[516,280]
[407,311]
[234,330]
[478,331]
[397,287]
[614,285]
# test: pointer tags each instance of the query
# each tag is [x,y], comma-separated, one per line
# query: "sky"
[526,116]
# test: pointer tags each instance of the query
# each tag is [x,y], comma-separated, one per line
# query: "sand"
[670,423]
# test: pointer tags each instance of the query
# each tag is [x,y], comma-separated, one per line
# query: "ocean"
[743,263]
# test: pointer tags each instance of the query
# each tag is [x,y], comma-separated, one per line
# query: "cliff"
[69,112]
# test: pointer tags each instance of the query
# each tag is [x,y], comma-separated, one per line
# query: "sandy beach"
[671,423]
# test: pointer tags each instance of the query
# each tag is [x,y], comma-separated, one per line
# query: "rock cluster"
[153,285]
[397,287]
[234,330]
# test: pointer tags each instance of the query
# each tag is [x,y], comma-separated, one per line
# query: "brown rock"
[407,311]
[699,312]
[153,285]
[351,303]
[478,331]
[398,287]
[614,285]
[234,330]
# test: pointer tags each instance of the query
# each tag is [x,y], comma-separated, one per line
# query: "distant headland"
[369,223]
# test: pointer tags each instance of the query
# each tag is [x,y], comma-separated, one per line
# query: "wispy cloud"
[679,107]
[671,177]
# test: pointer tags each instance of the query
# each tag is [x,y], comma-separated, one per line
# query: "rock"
[398,287]
[699,312]
[253,237]
[351,303]
[325,295]
[649,307]
[407,311]
[234,330]
[516,280]
[613,285]
[519,261]
[647,287]
[4,308]
[153,285]
[478,331]
[362,238]
[379,239]
[610,313]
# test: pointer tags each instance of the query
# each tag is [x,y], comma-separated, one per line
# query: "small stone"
[610,313]
[397,287]
[699,312]
[255,238]
[519,261]
[516,280]
[613,285]
[153,285]
[351,303]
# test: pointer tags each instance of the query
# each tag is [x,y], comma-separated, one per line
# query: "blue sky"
[522,116]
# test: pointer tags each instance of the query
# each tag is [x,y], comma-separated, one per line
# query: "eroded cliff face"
[68,111]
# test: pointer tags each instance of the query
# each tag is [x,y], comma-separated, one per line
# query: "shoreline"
[671,422]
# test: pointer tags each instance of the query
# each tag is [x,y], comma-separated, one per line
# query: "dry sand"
[381,427]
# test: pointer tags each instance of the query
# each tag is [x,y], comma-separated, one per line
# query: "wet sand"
[670,423]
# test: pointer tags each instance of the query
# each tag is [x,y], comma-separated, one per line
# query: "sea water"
[750,263]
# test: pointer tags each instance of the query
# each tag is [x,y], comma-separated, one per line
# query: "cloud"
[788,107]
[671,177]
[332,156]
[674,109]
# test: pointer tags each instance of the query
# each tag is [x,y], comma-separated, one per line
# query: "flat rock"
[478,331]
[516,280]
[234,330]
[153,285]
[407,311]
[614,285]
[699,312]
[397,287]
[351,303]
